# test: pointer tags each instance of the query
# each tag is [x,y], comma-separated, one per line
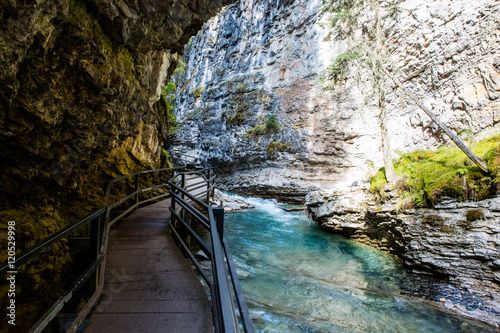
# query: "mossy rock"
[433,220]
[275,147]
[430,175]
[474,214]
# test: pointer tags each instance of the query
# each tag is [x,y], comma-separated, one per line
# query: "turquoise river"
[299,278]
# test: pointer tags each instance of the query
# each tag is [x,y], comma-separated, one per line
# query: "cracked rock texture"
[261,58]
[79,85]
[258,58]
[458,241]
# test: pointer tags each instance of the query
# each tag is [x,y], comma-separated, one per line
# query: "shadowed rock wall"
[79,82]
[79,85]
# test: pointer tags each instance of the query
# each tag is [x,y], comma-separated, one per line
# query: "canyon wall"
[458,242]
[259,63]
[262,58]
[79,86]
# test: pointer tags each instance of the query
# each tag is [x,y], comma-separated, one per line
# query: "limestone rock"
[230,203]
[314,199]
[261,58]
[79,82]
[445,240]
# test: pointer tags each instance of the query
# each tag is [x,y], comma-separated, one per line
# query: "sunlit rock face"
[457,241]
[258,58]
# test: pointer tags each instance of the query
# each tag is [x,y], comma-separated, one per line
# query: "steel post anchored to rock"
[479,162]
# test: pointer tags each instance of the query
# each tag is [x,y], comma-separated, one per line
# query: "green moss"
[433,219]
[197,92]
[240,112]
[429,175]
[474,214]
[237,118]
[167,101]
[275,147]
[126,59]
[241,88]
[378,182]
[78,13]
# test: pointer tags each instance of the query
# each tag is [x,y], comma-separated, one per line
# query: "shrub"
[337,70]
[474,214]
[197,92]
[275,147]
[270,125]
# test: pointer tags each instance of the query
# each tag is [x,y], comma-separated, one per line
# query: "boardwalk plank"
[149,286]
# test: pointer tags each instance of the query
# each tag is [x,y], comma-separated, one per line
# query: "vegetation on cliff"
[270,125]
[426,176]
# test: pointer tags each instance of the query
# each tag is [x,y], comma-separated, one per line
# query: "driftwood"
[479,162]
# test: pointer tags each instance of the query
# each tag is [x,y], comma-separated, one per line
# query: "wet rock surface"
[458,242]
[79,85]
[229,202]
[79,82]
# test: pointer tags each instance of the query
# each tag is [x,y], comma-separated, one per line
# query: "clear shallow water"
[298,278]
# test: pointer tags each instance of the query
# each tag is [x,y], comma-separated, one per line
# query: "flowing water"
[298,278]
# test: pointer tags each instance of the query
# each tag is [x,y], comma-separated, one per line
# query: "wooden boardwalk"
[149,285]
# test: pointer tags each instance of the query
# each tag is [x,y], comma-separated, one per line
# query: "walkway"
[149,286]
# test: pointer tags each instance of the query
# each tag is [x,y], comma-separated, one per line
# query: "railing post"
[219,217]
[95,247]
[108,191]
[172,204]
[209,185]
[183,186]
[137,189]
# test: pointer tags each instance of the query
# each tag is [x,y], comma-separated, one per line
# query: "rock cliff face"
[258,63]
[459,242]
[261,58]
[79,85]
[79,82]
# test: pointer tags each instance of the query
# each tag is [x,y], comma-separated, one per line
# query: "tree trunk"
[390,175]
[479,162]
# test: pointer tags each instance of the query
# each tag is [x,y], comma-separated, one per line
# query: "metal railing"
[100,222]
[186,207]
[223,306]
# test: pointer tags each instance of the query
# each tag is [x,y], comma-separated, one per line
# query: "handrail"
[223,303]
[223,293]
[33,251]
[100,222]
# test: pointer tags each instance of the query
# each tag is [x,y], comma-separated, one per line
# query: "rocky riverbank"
[458,242]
